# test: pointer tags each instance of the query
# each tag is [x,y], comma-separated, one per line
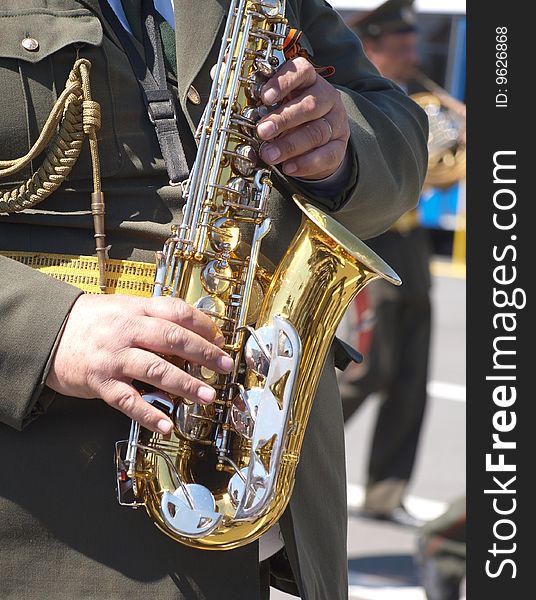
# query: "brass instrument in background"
[447,138]
[225,474]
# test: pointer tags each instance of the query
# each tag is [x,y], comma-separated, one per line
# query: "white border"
[424,6]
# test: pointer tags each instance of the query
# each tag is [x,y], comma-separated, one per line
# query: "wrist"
[331,183]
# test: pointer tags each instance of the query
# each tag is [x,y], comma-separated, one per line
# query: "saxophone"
[225,474]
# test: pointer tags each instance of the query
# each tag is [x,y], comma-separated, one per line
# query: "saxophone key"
[240,489]
[244,411]
[235,189]
[190,510]
[254,85]
[225,235]
[216,278]
[214,307]
[270,9]
[266,67]
[242,136]
[244,159]
[258,350]
[195,422]
[252,114]
[202,373]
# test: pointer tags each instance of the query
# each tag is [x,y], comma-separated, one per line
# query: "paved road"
[380,556]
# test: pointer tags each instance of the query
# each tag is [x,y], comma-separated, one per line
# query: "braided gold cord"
[78,117]
[57,164]
[7,167]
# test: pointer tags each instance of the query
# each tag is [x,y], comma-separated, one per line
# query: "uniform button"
[30,44]
[193,95]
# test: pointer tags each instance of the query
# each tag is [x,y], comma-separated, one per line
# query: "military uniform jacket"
[62,535]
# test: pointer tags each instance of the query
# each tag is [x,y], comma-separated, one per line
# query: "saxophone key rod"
[161,270]
[201,173]
[203,151]
[132,448]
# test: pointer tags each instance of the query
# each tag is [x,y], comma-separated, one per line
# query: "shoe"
[437,582]
[398,516]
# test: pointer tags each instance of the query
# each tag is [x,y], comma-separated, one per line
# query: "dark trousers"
[276,571]
[397,368]
[264,580]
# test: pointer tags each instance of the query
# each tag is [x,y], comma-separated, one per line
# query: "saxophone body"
[225,474]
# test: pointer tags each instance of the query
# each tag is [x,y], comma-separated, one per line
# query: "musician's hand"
[110,341]
[308,134]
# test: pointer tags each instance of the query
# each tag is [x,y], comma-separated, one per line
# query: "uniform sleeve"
[389,132]
[33,309]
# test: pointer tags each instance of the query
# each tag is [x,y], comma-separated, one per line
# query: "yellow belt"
[122,276]
[407,222]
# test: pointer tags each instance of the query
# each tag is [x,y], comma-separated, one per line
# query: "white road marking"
[447,391]
[421,507]
[359,592]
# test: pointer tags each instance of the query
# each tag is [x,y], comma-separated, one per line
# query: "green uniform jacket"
[62,534]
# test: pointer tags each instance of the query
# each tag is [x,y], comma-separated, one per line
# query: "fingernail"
[164,426]
[290,168]
[271,153]
[206,394]
[225,363]
[269,96]
[266,129]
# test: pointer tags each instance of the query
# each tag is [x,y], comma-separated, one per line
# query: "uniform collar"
[197,23]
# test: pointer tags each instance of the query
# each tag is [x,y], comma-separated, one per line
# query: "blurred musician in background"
[396,364]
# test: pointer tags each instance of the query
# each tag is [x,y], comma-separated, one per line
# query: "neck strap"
[162,108]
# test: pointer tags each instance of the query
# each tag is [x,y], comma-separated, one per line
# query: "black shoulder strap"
[151,76]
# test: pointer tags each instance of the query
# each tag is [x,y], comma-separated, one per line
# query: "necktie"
[168,44]
[133,12]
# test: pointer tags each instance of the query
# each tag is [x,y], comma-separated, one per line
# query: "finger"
[297,141]
[318,163]
[314,103]
[294,74]
[122,396]
[213,72]
[159,335]
[337,117]
[222,70]
[181,313]
[154,370]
